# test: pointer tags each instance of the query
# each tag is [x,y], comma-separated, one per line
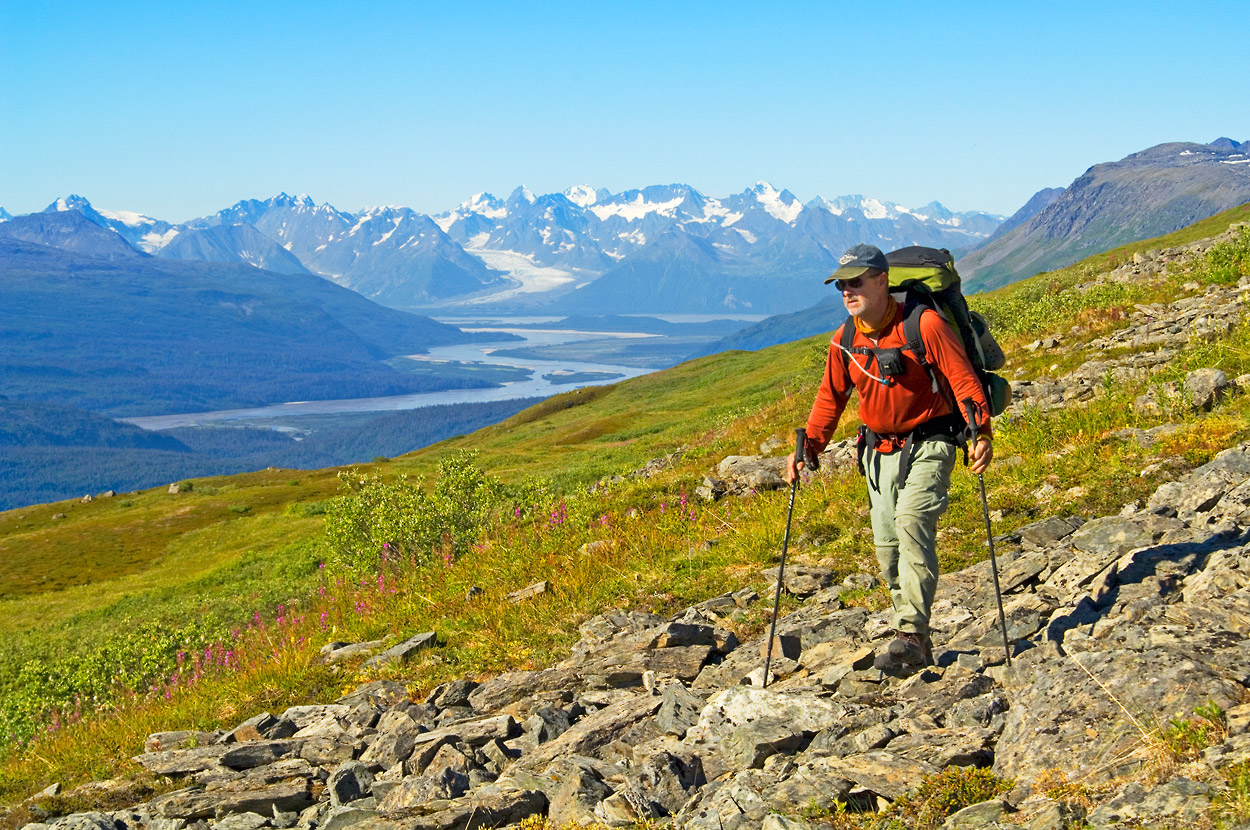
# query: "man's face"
[867,296]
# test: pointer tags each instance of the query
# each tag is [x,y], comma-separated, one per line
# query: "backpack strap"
[845,341]
[911,331]
[848,337]
[915,343]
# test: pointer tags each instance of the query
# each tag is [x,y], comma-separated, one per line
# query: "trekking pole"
[1002,619]
[971,436]
[800,440]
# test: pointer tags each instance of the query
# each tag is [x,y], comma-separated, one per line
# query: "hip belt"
[948,429]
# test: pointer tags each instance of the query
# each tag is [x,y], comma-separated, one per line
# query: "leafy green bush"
[147,644]
[938,796]
[306,508]
[1187,737]
[1225,262]
[464,497]
[401,521]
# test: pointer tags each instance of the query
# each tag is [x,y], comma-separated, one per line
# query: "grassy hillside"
[159,611]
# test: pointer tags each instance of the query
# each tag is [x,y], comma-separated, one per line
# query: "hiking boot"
[907,651]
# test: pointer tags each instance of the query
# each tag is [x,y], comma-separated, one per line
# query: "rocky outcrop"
[1153,338]
[1117,625]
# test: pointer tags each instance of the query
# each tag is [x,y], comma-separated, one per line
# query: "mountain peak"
[1148,193]
[582,195]
[285,199]
[482,203]
[933,210]
[780,204]
[70,202]
[386,210]
[1225,143]
[522,193]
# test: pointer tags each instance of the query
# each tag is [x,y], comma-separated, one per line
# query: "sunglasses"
[854,284]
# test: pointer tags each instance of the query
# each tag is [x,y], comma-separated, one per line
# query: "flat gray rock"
[404,651]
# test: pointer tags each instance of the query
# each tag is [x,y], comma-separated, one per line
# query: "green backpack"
[923,278]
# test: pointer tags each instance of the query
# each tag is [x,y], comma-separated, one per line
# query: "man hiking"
[913,422]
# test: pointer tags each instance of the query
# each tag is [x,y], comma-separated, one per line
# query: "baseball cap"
[857,261]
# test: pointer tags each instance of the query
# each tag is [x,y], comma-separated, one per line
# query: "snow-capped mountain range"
[664,248]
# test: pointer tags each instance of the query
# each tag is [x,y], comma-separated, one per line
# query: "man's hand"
[792,469]
[980,454]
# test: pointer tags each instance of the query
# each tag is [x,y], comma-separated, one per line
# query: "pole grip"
[800,445]
[970,421]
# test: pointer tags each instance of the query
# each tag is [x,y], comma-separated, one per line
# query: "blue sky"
[179,109]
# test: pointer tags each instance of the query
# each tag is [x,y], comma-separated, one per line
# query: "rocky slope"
[1118,624]
[1154,335]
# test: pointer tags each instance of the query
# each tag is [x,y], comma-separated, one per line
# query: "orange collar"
[887,320]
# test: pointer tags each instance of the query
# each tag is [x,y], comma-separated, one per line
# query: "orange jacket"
[908,400]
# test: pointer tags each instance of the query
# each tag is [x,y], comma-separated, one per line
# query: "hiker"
[912,427]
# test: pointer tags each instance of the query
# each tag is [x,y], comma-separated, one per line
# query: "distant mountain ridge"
[669,248]
[233,243]
[1146,194]
[829,312]
[663,248]
[1038,202]
[392,255]
[133,334]
[72,231]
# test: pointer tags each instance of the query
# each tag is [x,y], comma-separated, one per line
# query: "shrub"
[46,694]
[400,521]
[306,508]
[1187,737]
[938,796]
[464,497]
[1225,262]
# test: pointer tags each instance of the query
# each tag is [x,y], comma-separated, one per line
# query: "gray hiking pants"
[904,526]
